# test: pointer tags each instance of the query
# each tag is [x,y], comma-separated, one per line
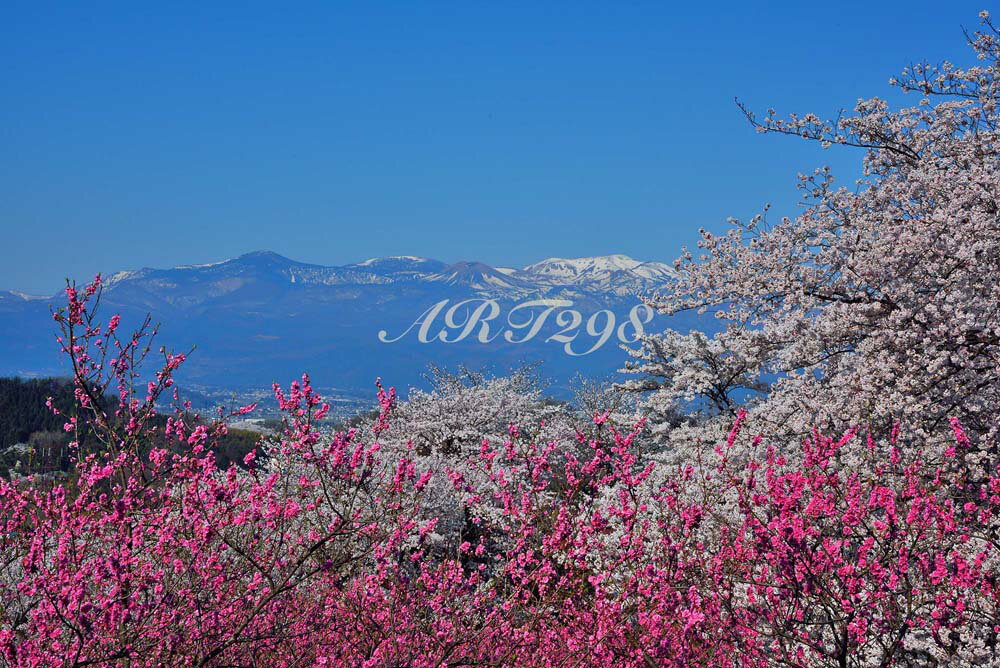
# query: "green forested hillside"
[23,410]
[25,418]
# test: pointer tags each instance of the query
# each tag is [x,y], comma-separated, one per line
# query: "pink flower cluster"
[319,551]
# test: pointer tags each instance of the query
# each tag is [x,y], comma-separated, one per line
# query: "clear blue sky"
[155,134]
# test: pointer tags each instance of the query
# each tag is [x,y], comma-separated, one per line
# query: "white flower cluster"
[878,304]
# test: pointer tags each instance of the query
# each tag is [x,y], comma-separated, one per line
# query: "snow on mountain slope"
[401,258]
[28,298]
[478,276]
[615,273]
[264,271]
[573,268]
[402,265]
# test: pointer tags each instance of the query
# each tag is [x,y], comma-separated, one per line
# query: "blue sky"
[137,135]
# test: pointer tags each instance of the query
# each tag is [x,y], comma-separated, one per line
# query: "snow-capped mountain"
[16,296]
[619,274]
[262,317]
[480,277]
[262,272]
[400,265]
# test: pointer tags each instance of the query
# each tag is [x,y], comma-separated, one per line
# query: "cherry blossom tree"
[690,376]
[876,303]
[463,407]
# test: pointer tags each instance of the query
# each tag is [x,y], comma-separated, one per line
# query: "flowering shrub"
[319,549]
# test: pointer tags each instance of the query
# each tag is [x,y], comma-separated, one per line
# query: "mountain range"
[262,317]
[601,277]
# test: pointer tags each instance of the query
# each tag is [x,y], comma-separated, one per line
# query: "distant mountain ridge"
[617,275]
[262,317]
